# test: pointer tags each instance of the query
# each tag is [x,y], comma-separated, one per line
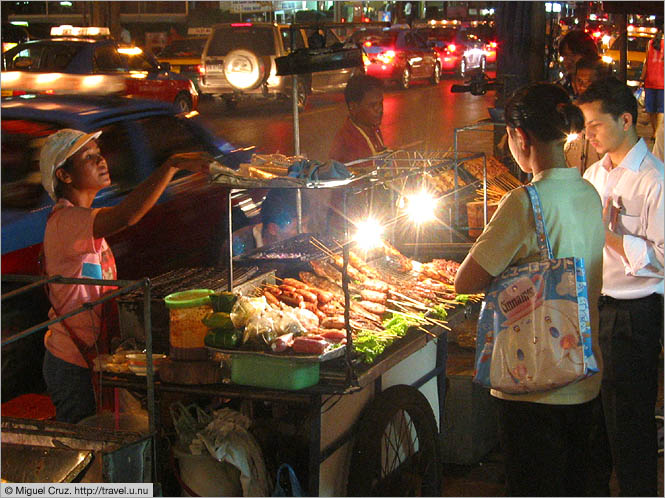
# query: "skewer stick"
[428,332]
[420,306]
[322,248]
[409,315]
[322,245]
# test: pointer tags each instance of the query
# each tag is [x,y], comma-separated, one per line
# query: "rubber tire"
[463,67]
[405,78]
[366,460]
[183,102]
[436,74]
[254,61]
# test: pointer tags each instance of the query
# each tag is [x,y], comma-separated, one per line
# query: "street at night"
[330,248]
[421,118]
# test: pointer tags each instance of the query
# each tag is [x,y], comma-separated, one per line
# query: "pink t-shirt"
[70,250]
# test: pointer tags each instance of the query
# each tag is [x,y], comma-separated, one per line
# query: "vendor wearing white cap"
[73,172]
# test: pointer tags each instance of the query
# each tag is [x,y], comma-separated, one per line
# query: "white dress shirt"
[635,186]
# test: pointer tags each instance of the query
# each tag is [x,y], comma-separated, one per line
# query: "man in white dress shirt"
[629,179]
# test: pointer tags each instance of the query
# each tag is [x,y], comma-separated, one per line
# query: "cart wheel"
[396,452]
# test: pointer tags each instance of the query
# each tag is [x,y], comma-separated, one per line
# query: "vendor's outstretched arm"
[139,201]
[471,278]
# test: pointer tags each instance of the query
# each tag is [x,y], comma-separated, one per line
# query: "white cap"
[56,150]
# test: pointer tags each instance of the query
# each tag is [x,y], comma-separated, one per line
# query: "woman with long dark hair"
[544,435]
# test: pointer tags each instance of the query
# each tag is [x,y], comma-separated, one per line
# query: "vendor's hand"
[197,162]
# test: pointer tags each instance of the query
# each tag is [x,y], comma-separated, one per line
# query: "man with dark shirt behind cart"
[360,136]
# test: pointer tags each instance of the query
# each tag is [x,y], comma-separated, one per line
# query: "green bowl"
[188,299]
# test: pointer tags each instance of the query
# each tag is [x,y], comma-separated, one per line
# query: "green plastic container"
[189,298]
[186,329]
[273,373]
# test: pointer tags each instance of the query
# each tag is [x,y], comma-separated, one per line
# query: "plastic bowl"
[137,362]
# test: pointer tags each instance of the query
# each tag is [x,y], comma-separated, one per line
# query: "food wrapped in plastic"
[260,329]
[306,318]
[247,307]
[289,324]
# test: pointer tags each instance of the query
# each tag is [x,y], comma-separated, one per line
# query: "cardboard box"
[474,211]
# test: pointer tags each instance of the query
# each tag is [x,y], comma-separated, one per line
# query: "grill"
[130,306]
[297,249]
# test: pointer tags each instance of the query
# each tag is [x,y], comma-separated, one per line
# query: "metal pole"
[150,384]
[229,255]
[299,209]
[345,290]
[296,119]
[26,288]
[484,191]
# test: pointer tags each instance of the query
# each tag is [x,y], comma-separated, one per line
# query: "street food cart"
[354,411]
[369,428]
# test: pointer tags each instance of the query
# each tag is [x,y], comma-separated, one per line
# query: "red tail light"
[597,34]
[201,69]
[368,43]
[452,48]
[493,44]
[387,56]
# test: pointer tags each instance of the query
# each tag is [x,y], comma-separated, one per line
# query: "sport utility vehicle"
[146,78]
[239,62]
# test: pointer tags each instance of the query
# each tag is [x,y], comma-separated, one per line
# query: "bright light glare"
[140,75]
[130,50]
[606,41]
[571,137]
[607,59]
[48,78]
[11,76]
[92,81]
[369,234]
[420,207]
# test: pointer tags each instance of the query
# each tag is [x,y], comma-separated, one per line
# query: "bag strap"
[541,231]
[296,489]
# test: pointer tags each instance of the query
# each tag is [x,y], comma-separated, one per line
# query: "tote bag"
[534,328]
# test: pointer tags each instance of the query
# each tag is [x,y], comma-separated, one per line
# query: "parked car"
[459,49]
[145,77]
[398,54]
[239,62]
[636,46]
[186,228]
[184,56]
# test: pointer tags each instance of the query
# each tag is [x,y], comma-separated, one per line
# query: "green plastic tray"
[273,373]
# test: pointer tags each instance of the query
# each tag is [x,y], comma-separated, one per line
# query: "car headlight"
[607,59]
